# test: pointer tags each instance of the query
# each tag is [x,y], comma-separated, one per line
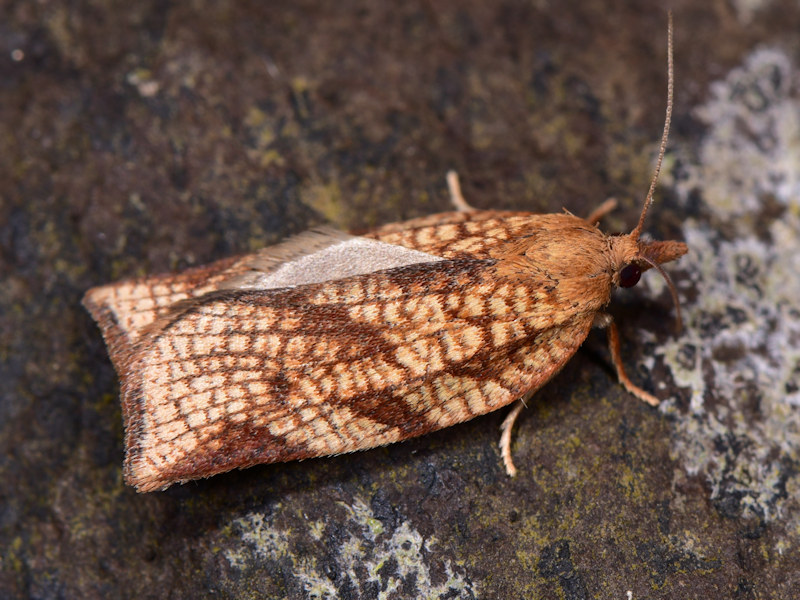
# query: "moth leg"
[605,320]
[601,211]
[456,199]
[505,437]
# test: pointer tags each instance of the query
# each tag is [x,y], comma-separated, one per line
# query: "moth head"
[634,257]
[631,257]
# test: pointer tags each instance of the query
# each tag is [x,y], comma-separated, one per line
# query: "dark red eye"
[629,276]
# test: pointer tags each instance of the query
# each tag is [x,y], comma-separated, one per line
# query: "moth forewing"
[124,309]
[248,376]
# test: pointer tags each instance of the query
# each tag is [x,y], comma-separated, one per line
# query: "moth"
[329,343]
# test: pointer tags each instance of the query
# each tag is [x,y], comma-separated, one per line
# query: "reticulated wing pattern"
[245,377]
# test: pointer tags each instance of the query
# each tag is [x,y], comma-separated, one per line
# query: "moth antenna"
[672,290]
[649,199]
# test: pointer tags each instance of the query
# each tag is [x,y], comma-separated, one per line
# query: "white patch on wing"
[322,255]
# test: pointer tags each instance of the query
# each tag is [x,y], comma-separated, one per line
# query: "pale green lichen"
[260,539]
[360,558]
[739,355]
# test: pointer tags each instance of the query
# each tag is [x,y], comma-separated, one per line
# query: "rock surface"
[141,137]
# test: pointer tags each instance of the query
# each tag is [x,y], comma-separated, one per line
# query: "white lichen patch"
[752,148]
[739,355]
[366,560]
[259,539]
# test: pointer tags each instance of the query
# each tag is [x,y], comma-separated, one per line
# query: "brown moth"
[330,343]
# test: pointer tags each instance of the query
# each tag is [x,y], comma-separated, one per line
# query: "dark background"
[140,137]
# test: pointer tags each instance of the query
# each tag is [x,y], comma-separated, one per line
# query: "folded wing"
[241,377]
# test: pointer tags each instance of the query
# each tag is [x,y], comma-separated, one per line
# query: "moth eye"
[629,276]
